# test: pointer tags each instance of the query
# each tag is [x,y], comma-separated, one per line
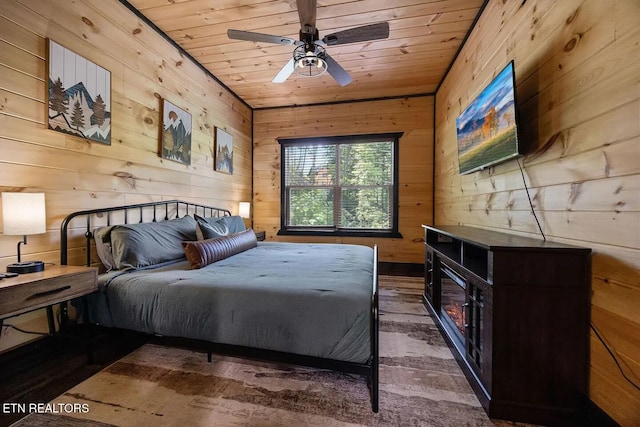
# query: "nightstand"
[56,284]
[261,235]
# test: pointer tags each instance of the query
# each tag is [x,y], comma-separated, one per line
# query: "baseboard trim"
[594,416]
[401,269]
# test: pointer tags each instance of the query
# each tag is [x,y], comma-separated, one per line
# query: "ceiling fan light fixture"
[309,63]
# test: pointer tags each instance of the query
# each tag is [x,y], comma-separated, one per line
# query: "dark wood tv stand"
[515,311]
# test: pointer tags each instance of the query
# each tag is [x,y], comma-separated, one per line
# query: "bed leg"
[375,336]
[375,383]
[375,398]
[209,356]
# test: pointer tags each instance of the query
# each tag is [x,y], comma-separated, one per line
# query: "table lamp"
[244,210]
[23,214]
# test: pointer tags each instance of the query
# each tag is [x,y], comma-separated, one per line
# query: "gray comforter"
[306,299]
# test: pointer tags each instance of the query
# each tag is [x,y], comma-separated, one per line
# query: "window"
[345,185]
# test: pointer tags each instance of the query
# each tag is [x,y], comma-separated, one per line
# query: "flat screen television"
[487,129]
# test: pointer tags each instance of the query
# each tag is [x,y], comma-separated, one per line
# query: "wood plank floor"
[65,367]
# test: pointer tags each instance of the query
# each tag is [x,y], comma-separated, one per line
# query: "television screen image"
[486,129]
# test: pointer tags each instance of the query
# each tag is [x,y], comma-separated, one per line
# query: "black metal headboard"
[154,211]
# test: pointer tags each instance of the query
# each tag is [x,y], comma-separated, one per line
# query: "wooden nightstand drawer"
[55,284]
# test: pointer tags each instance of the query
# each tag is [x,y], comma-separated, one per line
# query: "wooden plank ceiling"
[424,37]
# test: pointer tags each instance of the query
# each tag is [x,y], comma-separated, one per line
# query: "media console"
[515,311]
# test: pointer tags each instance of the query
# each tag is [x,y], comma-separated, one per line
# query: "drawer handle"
[51,292]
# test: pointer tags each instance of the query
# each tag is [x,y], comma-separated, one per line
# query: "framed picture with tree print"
[78,95]
[223,161]
[175,139]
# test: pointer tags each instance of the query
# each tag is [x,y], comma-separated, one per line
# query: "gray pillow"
[211,228]
[141,245]
[102,238]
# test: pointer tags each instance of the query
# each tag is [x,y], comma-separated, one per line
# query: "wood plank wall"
[577,64]
[75,174]
[413,116]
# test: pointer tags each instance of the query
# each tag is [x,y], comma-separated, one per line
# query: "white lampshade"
[23,214]
[244,209]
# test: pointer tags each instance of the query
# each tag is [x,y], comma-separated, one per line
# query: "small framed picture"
[175,140]
[223,161]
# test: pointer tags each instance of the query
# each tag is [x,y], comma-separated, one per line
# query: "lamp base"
[25,267]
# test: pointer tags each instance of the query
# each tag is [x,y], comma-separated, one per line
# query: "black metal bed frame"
[177,207]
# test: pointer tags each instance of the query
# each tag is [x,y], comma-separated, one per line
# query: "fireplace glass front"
[453,301]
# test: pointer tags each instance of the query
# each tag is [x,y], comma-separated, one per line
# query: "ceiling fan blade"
[337,72]
[259,37]
[307,13]
[358,34]
[284,73]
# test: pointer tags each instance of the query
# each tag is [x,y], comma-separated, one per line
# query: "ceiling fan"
[310,57]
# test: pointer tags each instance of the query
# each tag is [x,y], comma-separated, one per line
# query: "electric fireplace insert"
[453,303]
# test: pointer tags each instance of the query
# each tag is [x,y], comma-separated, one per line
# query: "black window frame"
[393,232]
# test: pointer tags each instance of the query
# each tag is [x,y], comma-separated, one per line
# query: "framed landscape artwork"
[175,141]
[78,95]
[223,161]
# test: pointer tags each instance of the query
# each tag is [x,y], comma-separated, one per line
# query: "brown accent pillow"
[204,252]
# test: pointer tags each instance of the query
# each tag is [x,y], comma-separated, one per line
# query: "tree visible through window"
[340,185]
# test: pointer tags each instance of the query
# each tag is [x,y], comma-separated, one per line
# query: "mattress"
[305,299]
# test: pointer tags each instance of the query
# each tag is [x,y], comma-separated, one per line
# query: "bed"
[195,274]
